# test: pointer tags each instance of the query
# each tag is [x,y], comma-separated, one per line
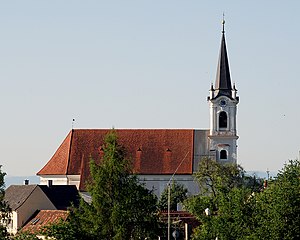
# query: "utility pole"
[169,196]
[169,206]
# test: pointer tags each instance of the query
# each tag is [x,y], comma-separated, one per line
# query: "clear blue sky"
[145,64]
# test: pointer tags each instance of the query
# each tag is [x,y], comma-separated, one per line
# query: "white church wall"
[156,182]
[60,180]
[159,182]
[201,147]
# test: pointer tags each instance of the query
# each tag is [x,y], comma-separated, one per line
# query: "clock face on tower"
[222,103]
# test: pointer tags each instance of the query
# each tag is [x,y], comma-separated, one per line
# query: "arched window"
[223,154]
[223,120]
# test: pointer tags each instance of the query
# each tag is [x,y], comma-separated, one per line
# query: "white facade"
[223,130]
[156,182]
[159,182]
[60,180]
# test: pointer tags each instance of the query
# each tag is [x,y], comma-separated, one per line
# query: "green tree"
[4,208]
[178,193]
[121,207]
[63,230]
[230,215]
[277,211]
[25,236]
[225,205]
[214,177]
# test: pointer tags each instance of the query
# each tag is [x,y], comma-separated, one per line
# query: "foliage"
[277,212]
[214,177]
[227,193]
[121,207]
[63,230]
[178,193]
[25,236]
[4,208]
[230,215]
[242,210]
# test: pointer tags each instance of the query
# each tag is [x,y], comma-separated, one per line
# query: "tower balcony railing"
[223,133]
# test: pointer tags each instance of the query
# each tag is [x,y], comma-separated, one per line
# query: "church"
[158,155]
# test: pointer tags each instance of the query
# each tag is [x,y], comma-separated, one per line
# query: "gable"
[16,195]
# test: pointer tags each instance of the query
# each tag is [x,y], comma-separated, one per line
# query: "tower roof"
[223,81]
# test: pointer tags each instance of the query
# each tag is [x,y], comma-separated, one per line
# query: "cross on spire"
[223,23]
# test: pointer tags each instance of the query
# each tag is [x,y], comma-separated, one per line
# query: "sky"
[145,64]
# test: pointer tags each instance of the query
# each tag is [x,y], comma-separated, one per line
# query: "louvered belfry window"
[223,120]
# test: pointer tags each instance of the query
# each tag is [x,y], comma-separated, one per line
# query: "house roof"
[16,195]
[62,196]
[153,151]
[43,218]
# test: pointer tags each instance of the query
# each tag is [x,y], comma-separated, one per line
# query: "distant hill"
[13,180]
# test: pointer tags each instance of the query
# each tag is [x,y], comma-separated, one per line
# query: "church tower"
[223,102]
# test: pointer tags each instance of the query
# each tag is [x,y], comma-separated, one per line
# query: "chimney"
[50,183]
[26,182]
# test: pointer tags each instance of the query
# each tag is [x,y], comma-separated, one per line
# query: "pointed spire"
[223,81]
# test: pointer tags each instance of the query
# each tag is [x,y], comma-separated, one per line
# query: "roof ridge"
[125,129]
[70,147]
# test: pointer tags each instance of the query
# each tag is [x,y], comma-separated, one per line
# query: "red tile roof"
[153,151]
[43,218]
[58,164]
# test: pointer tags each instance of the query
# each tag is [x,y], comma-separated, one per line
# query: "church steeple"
[223,102]
[223,81]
